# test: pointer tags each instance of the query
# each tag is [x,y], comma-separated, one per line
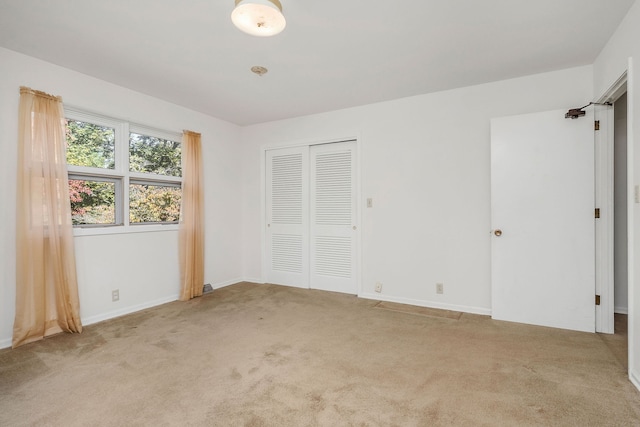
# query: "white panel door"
[542,202]
[287,222]
[333,217]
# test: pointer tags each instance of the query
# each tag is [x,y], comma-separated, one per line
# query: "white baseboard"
[634,380]
[219,285]
[621,310]
[132,309]
[419,303]
[429,304]
[127,310]
[86,321]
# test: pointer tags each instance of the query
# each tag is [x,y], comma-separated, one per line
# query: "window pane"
[92,202]
[154,155]
[154,203]
[90,145]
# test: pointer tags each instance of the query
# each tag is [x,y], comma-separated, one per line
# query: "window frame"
[121,174]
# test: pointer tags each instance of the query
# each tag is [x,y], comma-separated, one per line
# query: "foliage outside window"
[154,155]
[92,201]
[154,203]
[120,173]
[90,145]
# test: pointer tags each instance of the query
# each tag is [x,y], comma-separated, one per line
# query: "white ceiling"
[333,54]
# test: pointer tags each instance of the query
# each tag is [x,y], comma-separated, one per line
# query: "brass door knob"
[498,233]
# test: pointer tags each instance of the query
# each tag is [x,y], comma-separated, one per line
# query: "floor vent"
[207,288]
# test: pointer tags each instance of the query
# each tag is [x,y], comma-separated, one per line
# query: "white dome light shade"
[259,17]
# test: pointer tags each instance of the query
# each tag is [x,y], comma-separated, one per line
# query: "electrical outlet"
[439,288]
[115,295]
[378,287]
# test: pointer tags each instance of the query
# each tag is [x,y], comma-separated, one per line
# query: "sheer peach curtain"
[191,234]
[46,285]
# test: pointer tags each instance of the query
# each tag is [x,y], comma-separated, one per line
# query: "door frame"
[611,93]
[354,137]
[604,189]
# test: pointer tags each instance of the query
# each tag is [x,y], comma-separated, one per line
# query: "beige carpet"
[264,355]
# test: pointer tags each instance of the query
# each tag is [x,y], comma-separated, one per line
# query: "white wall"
[425,161]
[143,266]
[622,53]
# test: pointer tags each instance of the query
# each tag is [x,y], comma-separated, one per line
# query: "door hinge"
[597,213]
[596,125]
[597,299]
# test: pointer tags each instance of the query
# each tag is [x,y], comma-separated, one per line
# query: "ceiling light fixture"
[261,18]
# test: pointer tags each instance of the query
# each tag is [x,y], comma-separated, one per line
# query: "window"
[121,174]
[90,145]
[93,201]
[153,203]
[154,155]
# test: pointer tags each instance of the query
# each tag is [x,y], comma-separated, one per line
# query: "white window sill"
[123,229]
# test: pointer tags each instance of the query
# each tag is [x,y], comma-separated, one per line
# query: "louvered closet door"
[333,217]
[287,211]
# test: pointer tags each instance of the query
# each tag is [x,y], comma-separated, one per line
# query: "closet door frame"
[359,204]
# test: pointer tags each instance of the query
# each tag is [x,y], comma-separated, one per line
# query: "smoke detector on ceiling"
[257,69]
